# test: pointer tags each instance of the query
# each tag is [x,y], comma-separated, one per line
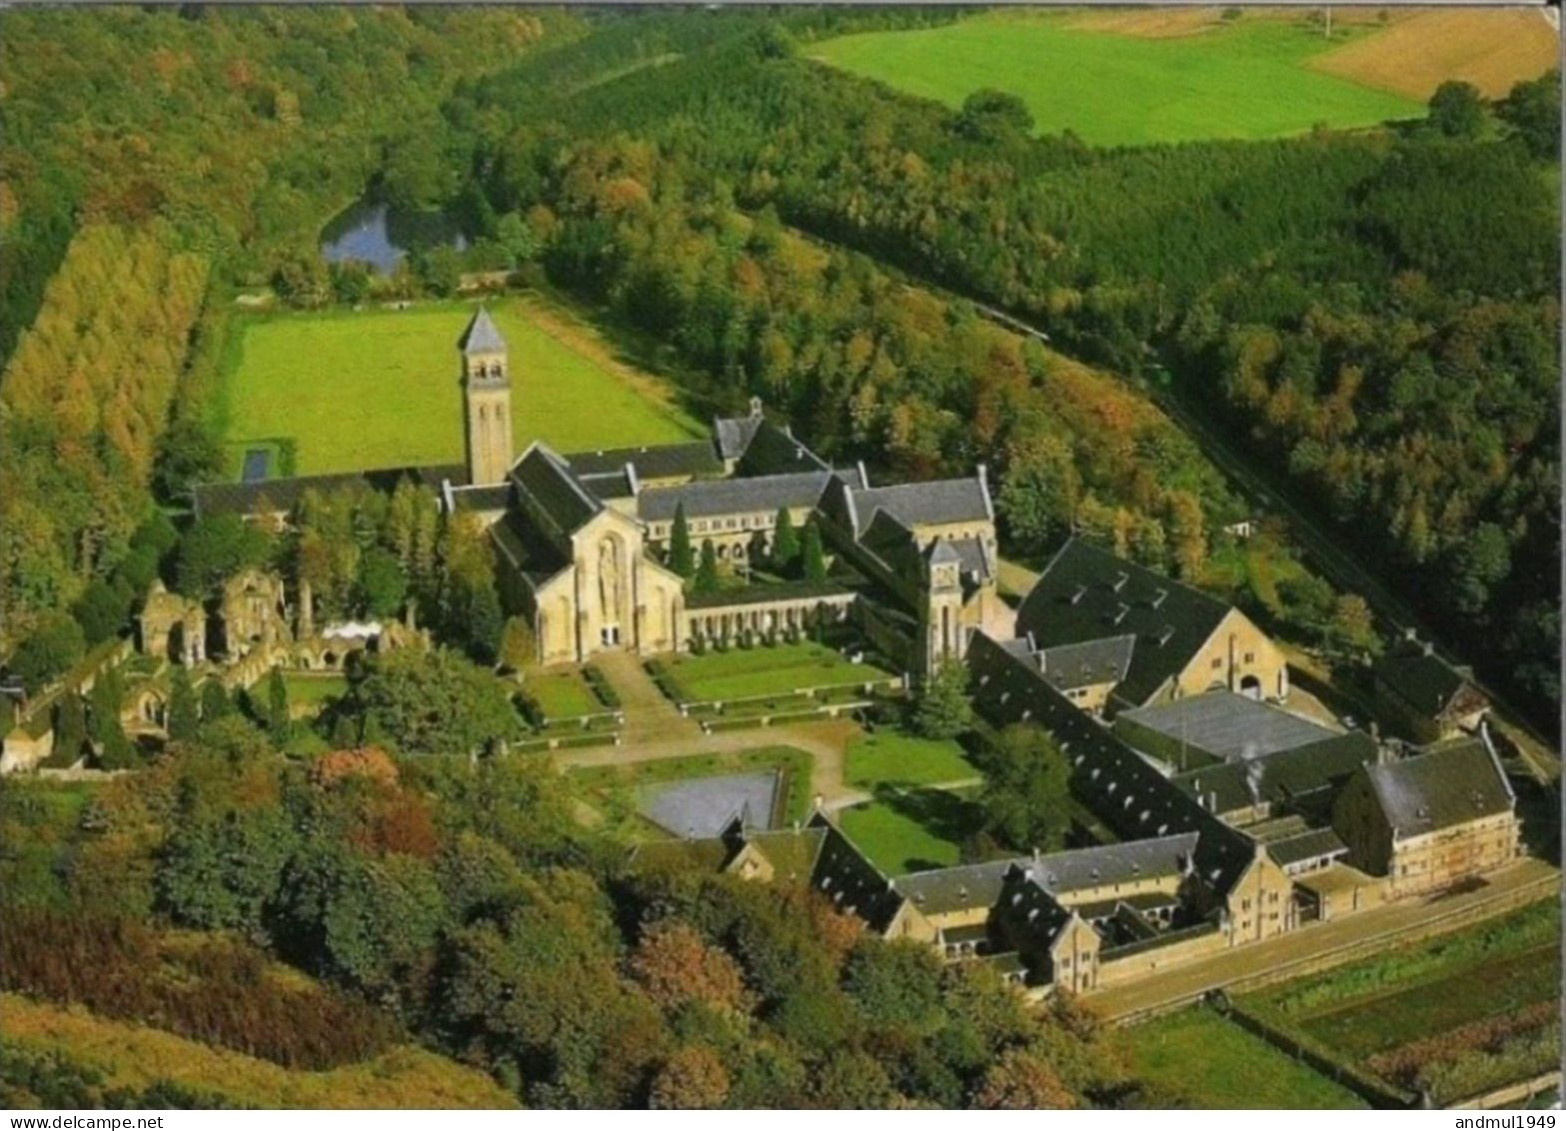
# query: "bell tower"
[486,383]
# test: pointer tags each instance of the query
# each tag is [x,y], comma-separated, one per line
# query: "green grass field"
[314,690]
[911,830]
[1209,1062]
[895,758]
[562,695]
[352,390]
[1245,79]
[778,670]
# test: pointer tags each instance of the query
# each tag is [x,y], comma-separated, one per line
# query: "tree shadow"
[940,813]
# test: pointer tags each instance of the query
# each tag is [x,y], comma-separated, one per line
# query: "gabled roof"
[733,434]
[973,556]
[1280,777]
[933,503]
[1086,593]
[774,451]
[1087,664]
[1112,779]
[546,479]
[660,461]
[487,497]
[967,886]
[1031,918]
[609,485]
[482,335]
[1425,681]
[1224,725]
[1313,845]
[732,496]
[854,885]
[1448,785]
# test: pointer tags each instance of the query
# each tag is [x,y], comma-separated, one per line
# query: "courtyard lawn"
[897,758]
[911,830]
[1245,78]
[1209,1062]
[350,390]
[562,695]
[779,670]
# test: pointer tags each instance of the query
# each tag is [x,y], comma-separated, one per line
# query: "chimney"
[755,407]
[1429,648]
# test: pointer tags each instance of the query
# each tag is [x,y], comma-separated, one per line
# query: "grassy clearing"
[314,690]
[136,1056]
[562,695]
[912,830]
[1209,1062]
[778,670]
[346,390]
[617,785]
[895,758]
[1247,78]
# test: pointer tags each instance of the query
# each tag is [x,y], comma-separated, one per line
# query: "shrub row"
[601,687]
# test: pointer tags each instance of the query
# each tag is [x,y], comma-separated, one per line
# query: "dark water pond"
[377,234]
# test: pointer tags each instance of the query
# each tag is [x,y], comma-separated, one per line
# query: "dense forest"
[462,905]
[1375,312]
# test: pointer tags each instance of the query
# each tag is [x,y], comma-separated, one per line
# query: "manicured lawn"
[1244,79]
[618,784]
[1212,1063]
[912,830]
[562,695]
[893,757]
[779,670]
[381,388]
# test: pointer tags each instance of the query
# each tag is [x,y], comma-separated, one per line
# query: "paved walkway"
[1320,945]
[655,729]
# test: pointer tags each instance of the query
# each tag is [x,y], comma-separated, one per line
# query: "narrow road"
[1333,943]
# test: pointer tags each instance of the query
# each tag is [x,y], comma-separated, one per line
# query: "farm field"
[1247,78]
[1491,48]
[350,390]
[896,758]
[136,1056]
[1457,1015]
[1207,1061]
[777,670]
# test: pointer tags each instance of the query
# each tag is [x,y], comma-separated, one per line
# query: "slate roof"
[1280,777]
[967,886]
[1030,917]
[1088,663]
[931,503]
[545,478]
[707,498]
[733,434]
[1424,680]
[972,555]
[491,497]
[1307,846]
[1224,725]
[284,494]
[612,485]
[1448,785]
[847,877]
[1086,593]
[791,852]
[659,461]
[774,451]
[1111,779]
[482,335]
[703,807]
[887,539]
[530,554]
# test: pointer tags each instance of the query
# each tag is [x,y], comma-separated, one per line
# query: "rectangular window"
[1250,657]
[1217,662]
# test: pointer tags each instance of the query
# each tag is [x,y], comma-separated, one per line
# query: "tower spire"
[486,383]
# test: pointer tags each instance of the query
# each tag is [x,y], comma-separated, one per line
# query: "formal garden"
[776,672]
[616,791]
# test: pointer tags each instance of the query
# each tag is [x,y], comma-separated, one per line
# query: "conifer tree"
[707,572]
[785,541]
[276,703]
[70,729]
[103,723]
[215,703]
[813,554]
[681,560]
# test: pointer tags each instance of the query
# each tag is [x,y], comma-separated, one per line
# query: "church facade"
[581,539]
